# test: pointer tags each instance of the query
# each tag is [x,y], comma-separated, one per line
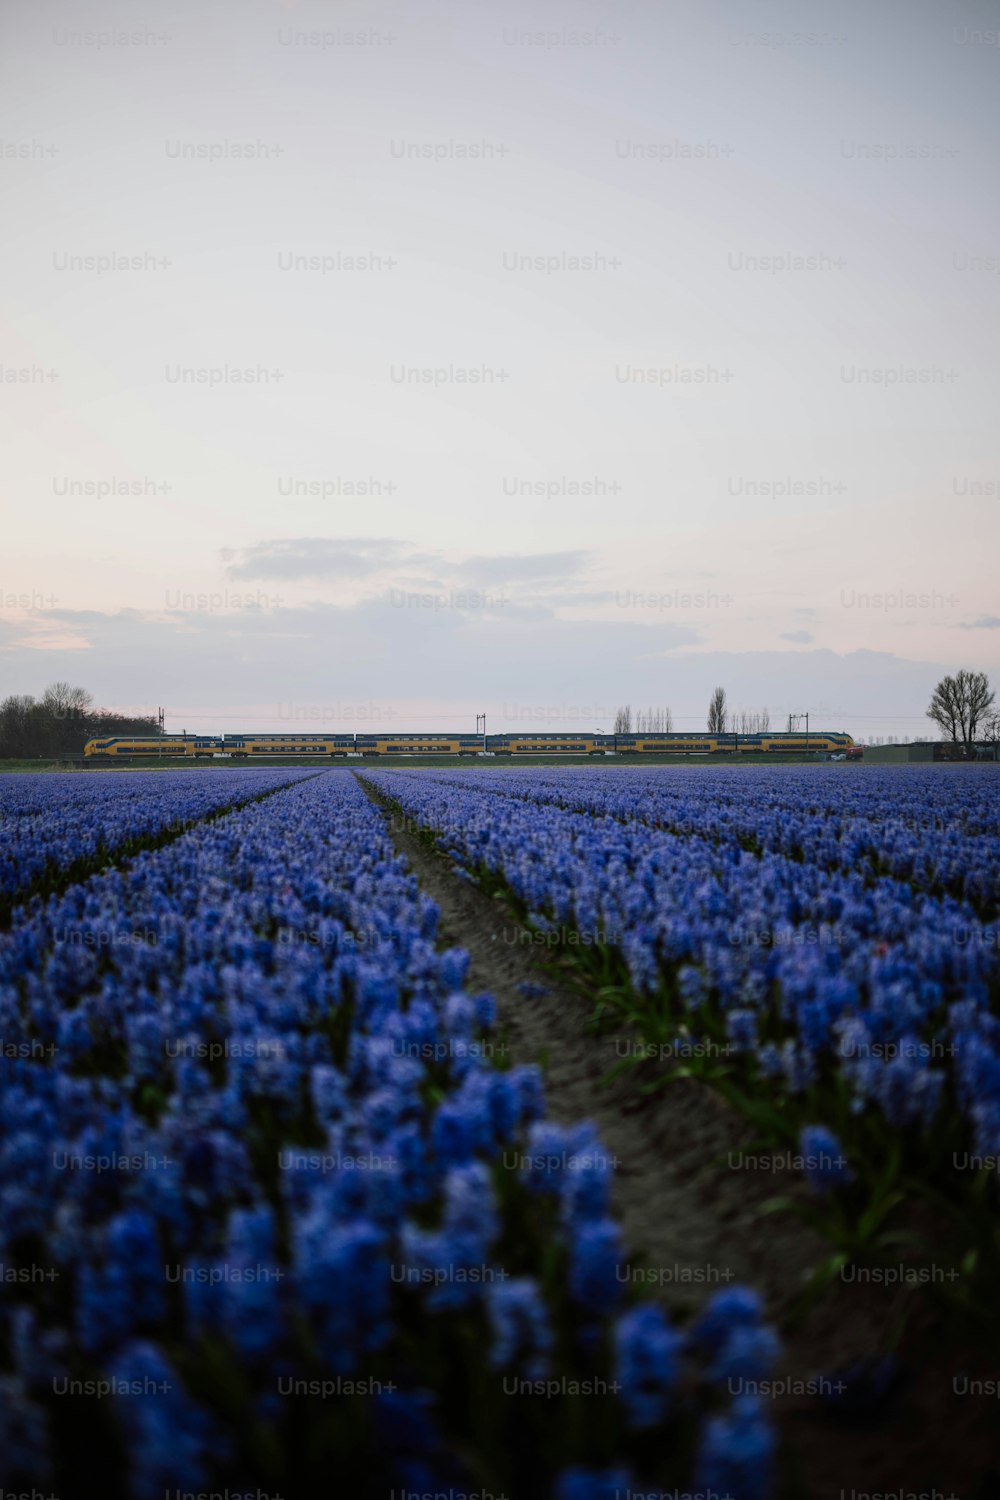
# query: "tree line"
[60,722]
[652,721]
[720,719]
[723,720]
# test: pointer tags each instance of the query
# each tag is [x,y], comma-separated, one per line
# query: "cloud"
[524,567]
[389,560]
[52,630]
[985,622]
[307,558]
[576,598]
[800,637]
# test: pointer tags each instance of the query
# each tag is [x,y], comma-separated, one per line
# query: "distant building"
[925,750]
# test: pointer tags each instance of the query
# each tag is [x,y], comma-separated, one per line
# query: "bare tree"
[944,708]
[65,702]
[748,722]
[19,729]
[959,705]
[654,721]
[623,720]
[991,732]
[979,698]
[717,712]
[65,716]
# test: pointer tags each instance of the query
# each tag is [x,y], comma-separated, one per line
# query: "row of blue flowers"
[936,828]
[56,824]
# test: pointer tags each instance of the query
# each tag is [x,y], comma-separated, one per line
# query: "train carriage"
[732,742]
[154,746]
[418,744]
[252,746]
[665,743]
[548,744]
[818,740]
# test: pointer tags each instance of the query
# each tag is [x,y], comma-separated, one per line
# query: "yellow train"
[154,747]
[205,746]
[777,742]
[338,746]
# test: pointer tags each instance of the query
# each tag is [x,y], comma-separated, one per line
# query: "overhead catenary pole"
[796,718]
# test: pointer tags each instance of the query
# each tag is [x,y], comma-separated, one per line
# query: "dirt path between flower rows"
[689,1203]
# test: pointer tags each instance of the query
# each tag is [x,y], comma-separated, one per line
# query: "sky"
[389,362]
